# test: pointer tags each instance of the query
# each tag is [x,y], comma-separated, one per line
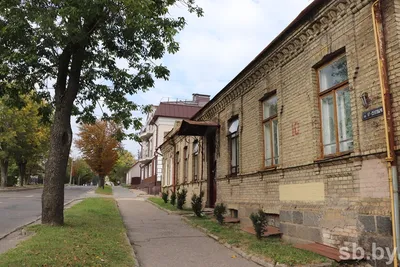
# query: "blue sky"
[216,47]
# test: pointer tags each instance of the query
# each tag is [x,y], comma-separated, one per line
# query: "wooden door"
[212,168]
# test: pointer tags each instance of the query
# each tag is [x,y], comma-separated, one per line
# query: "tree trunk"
[69,69]
[101,181]
[56,166]
[22,172]
[4,172]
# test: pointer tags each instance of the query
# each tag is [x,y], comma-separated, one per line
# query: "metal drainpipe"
[140,166]
[156,157]
[202,163]
[173,167]
[389,126]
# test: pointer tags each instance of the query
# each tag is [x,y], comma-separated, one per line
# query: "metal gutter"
[388,121]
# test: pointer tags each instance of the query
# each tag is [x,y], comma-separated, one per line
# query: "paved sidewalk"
[164,240]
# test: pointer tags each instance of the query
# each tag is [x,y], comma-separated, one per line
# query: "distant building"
[133,175]
[159,122]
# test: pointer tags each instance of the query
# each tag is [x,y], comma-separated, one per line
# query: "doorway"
[212,171]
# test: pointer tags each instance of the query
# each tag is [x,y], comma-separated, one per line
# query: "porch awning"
[196,128]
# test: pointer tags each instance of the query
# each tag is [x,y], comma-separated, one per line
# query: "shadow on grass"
[93,235]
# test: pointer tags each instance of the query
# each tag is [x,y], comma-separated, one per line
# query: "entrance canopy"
[196,128]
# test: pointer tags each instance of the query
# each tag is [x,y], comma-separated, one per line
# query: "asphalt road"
[20,207]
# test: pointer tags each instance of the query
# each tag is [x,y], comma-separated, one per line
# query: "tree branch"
[62,72]
[78,57]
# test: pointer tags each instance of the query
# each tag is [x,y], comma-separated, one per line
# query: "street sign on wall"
[372,113]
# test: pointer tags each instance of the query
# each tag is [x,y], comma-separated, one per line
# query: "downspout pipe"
[389,125]
[173,167]
[202,164]
[156,156]
[140,166]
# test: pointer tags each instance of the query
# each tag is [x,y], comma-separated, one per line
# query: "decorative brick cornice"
[284,51]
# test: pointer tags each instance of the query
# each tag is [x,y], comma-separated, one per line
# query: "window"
[150,148]
[337,128]
[233,129]
[234,213]
[271,132]
[177,159]
[150,170]
[166,167]
[195,158]
[185,163]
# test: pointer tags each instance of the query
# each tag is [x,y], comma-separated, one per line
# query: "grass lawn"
[271,248]
[168,206]
[106,191]
[93,235]
[160,202]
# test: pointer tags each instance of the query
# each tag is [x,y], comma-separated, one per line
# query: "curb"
[19,189]
[32,222]
[245,255]
[161,208]
[135,260]
[170,212]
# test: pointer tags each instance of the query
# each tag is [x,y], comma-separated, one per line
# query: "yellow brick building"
[300,130]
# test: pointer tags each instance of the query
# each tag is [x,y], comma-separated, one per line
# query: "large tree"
[123,164]
[31,143]
[8,131]
[99,146]
[77,43]
[23,136]
[81,171]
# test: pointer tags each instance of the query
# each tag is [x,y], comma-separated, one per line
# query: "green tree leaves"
[23,136]
[124,163]
[42,40]
[78,44]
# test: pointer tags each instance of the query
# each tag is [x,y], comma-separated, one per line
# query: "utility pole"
[70,173]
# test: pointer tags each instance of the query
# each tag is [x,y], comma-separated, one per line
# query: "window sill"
[269,168]
[230,177]
[343,155]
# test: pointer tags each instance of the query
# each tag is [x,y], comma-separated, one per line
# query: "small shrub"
[259,220]
[219,211]
[181,198]
[173,198]
[197,203]
[165,197]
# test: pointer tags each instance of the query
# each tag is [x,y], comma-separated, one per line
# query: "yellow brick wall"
[338,196]
[354,185]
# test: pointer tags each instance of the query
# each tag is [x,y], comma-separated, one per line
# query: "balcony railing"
[146,132]
[145,156]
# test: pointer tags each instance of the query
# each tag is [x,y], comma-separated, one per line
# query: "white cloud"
[216,47]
